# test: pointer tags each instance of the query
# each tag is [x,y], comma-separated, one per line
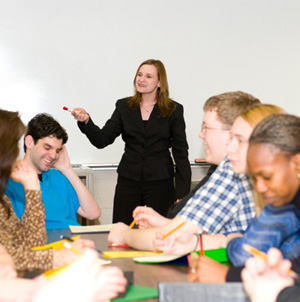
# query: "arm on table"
[186,240]
[145,239]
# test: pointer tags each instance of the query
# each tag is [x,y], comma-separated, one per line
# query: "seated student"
[220,111]
[238,205]
[63,193]
[237,151]
[274,163]
[84,280]
[18,237]
[270,281]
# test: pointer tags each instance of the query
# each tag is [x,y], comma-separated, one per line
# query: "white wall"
[85,53]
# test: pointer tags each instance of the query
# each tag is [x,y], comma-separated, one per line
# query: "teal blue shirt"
[59,198]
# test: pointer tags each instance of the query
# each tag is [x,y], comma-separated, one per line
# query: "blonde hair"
[256,114]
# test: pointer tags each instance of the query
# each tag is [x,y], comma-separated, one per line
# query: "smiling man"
[63,193]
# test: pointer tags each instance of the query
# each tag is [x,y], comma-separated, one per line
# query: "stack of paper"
[78,229]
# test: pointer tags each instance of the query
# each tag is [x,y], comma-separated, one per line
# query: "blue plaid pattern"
[225,204]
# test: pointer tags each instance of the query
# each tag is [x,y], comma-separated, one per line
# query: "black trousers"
[129,194]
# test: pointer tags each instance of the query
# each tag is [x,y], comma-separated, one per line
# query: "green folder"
[217,254]
[135,293]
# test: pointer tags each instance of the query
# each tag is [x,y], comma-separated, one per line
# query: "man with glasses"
[225,203]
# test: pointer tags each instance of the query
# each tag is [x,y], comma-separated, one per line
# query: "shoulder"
[178,105]
[54,174]
[282,210]
[14,189]
[122,103]
[223,179]
[177,114]
[225,169]
[55,178]
[240,180]
[179,108]
[13,184]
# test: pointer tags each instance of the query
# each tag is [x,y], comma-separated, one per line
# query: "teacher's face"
[275,174]
[147,81]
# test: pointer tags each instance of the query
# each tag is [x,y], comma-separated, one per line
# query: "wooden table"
[144,274]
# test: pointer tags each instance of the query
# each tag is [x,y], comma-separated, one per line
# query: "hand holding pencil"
[175,239]
[146,217]
[173,230]
[273,259]
[265,279]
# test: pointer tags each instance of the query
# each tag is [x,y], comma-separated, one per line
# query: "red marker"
[124,246]
[67,109]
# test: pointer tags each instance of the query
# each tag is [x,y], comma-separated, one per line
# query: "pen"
[255,252]
[169,233]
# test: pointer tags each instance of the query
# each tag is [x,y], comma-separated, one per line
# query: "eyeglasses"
[205,128]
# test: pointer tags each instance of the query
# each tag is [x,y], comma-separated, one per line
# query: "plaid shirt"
[225,204]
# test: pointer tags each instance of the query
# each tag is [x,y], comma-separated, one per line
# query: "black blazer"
[146,152]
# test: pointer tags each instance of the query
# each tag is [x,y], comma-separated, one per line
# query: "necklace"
[148,106]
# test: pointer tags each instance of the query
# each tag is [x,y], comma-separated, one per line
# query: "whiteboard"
[85,54]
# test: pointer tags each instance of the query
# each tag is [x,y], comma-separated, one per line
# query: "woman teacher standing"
[150,124]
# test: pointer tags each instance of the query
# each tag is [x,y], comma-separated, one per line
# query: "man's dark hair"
[44,125]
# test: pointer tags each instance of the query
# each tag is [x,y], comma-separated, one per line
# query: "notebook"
[217,255]
[78,229]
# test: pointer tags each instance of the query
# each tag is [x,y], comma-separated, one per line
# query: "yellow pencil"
[53,272]
[132,224]
[176,228]
[255,252]
[70,247]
